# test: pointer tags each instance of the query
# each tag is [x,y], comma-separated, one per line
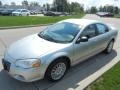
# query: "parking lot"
[77,78]
[26,12]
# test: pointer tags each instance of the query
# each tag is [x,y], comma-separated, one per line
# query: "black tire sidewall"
[50,67]
[106,50]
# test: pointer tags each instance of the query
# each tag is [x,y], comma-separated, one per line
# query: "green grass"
[6,21]
[117,16]
[109,81]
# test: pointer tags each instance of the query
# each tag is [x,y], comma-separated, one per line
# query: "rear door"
[102,36]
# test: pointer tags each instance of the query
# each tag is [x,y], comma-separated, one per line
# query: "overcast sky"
[87,3]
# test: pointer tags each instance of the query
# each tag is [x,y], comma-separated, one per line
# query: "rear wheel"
[109,47]
[56,70]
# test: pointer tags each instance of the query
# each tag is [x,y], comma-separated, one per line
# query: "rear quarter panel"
[113,33]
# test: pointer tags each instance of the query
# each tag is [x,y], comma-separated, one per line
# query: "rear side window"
[101,28]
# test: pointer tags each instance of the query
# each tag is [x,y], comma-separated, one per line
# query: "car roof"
[81,22]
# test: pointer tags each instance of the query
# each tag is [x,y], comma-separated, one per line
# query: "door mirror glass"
[82,39]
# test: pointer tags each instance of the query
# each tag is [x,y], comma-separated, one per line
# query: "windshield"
[60,33]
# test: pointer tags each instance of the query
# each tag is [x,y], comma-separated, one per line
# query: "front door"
[84,50]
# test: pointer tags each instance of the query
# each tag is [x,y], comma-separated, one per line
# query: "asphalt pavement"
[77,78]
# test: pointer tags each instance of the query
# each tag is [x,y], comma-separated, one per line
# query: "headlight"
[29,63]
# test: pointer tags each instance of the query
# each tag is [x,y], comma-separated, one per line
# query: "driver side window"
[89,31]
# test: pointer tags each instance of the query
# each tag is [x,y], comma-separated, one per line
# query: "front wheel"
[20,14]
[27,14]
[56,70]
[109,47]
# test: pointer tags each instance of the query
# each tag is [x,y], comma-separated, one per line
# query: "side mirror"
[82,39]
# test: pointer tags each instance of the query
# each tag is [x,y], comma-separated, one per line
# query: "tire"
[109,47]
[49,75]
[20,14]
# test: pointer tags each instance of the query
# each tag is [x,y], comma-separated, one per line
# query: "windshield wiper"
[40,35]
[47,37]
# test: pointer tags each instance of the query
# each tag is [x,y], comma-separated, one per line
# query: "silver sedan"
[50,53]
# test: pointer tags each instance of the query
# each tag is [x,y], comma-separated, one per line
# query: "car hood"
[32,47]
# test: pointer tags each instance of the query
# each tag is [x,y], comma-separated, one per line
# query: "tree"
[116,10]
[25,3]
[65,6]
[100,9]
[76,7]
[0,3]
[109,8]
[93,10]
[13,3]
[34,4]
[44,6]
[60,5]
[47,7]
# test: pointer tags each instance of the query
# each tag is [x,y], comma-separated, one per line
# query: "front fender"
[47,60]
[50,58]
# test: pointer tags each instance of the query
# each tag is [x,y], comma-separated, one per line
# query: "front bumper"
[25,75]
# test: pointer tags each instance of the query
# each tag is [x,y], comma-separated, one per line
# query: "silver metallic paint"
[35,47]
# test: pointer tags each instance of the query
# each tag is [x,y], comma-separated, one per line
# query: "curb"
[25,26]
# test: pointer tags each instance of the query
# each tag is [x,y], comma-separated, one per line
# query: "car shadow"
[80,71]
[8,83]
[76,74]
